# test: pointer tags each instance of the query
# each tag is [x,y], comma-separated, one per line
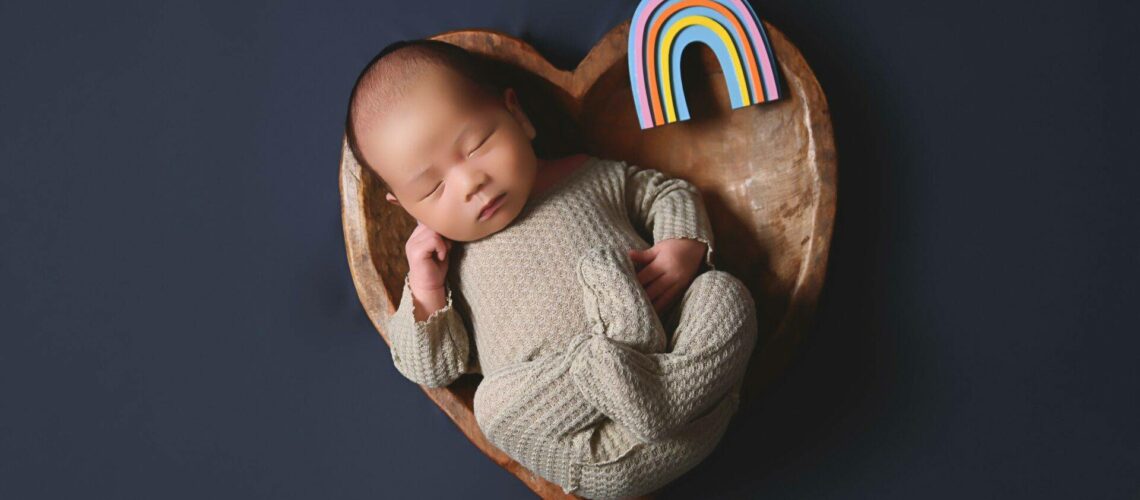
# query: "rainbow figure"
[658,35]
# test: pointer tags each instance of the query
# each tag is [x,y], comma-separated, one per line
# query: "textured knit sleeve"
[432,352]
[666,207]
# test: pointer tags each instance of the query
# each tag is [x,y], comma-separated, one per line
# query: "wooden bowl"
[767,173]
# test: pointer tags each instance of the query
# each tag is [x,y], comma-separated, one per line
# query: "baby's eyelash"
[477,147]
[484,141]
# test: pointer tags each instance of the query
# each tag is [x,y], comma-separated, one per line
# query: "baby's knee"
[722,285]
[485,406]
[727,297]
[496,395]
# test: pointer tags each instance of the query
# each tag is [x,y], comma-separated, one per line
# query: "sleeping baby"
[610,366]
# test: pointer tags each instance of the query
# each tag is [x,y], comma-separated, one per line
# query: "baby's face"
[445,153]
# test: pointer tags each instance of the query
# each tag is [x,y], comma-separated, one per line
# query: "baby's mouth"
[492,207]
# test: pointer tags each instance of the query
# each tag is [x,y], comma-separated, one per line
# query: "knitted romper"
[582,383]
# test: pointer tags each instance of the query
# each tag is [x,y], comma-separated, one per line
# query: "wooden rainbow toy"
[658,35]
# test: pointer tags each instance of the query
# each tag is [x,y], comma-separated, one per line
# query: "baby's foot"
[617,306]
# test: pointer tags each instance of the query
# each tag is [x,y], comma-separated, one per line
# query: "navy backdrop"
[179,321]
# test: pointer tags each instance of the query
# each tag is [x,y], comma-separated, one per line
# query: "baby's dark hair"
[387,77]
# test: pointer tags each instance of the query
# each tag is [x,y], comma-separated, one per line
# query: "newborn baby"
[583,382]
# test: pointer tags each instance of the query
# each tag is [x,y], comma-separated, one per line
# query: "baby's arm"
[667,207]
[432,352]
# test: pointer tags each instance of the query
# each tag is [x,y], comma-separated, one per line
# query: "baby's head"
[444,138]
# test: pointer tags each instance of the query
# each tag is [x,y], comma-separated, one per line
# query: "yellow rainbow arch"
[663,60]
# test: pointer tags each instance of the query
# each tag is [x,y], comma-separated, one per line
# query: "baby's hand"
[670,266]
[427,273]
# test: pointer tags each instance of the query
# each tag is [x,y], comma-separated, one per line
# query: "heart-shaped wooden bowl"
[767,173]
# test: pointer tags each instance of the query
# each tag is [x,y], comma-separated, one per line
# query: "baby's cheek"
[518,157]
[509,157]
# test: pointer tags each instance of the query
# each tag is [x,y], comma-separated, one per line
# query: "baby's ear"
[392,198]
[515,108]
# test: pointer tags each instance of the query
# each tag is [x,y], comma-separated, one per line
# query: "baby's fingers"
[666,298]
[441,249]
[659,286]
[649,273]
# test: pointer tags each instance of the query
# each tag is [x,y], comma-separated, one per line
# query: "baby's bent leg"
[651,465]
[653,394]
[534,413]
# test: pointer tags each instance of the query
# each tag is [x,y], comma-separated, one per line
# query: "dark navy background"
[178,319]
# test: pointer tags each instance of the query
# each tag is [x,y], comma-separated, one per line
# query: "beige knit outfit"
[581,384]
